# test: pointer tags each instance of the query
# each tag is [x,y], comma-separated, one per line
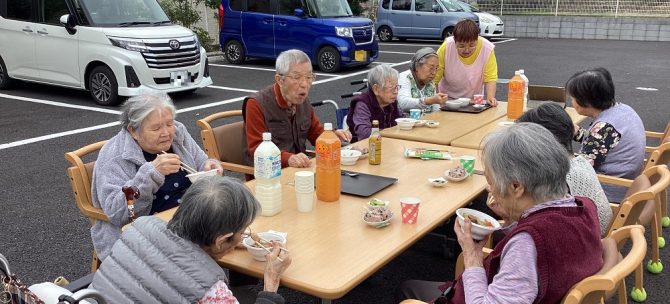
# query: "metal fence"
[610,8]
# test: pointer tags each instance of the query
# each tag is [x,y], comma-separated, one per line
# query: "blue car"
[324,29]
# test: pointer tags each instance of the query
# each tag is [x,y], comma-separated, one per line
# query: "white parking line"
[391,52]
[354,74]
[503,41]
[231,89]
[56,135]
[258,69]
[60,104]
[437,42]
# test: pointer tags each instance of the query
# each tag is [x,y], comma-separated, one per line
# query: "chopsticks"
[184,166]
[266,249]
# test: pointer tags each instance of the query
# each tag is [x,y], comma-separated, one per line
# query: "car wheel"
[447,32]
[5,81]
[385,34]
[328,59]
[234,52]
[103,86]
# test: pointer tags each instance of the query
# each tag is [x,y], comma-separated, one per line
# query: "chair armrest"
[237,168]
[80,283]
[606,179]
[651,134]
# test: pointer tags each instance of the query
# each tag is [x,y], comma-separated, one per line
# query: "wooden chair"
[658,136]
[641,205]
[225,142]
[80,174]
[661,156]
[540,92]
[610,278]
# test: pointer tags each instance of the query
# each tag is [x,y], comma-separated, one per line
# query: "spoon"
[350,174]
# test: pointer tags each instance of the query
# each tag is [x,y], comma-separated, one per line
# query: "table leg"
[326,301]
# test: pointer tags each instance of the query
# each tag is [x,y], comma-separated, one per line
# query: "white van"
[112,48]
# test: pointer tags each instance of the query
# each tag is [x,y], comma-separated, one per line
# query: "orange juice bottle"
[327,150]
[515,92]
[375,144]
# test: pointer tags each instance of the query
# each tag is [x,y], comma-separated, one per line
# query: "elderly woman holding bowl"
[377,103]
[417,90]
[146,153]
[532,263]
[175,262]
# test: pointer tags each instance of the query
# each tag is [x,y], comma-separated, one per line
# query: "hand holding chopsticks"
[183,165]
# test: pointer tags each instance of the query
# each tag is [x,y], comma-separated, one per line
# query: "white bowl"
[479,231]
[432,124]
[349,157]
[454,179]
[438,182]
[478,106]
[257,252]
[379,204]
[420,123]
[380,224]
[195,176]
[453,104]
[405,123]
[464,101]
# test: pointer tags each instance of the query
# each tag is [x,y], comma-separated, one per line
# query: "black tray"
[364,184]
[467,109]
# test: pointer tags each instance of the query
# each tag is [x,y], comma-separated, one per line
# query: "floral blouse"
[219,294]
[597,141]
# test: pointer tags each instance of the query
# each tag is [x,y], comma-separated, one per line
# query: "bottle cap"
[267,136]
[517,72]
[375,122]
[521,71]
[328,126]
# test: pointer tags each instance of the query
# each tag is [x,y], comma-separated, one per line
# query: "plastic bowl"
[438,182]
[349,157]
[464,101]
[420,123]
[195,176]
[376,203]
[453,104]
[479,232]
[454,179]
[405,123]
[381,224]
[259,253]
[432,124]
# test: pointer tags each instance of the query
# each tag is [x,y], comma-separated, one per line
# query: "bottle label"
[516,87]
[373,151]
[267,167]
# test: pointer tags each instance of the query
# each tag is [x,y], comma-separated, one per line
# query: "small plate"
[420,123]
[432,124]
[438,182]
[451,179]
[478,106]
[381,224]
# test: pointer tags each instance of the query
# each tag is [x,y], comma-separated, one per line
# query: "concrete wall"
[573,27]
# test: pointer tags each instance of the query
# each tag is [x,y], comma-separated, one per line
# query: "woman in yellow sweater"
[467,64]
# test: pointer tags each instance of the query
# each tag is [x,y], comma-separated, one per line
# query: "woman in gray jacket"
[146,153]
[175,262]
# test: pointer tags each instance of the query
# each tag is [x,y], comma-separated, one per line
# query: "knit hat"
[420,54]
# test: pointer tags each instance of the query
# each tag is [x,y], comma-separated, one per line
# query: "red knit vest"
[567,240]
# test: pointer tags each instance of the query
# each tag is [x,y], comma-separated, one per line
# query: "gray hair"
[528,154]
[288,58]
[421,56]
[137,108]
[212,207]
[379,74]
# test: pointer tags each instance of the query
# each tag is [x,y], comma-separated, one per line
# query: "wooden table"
[473,139]
[332,249]
[452,125]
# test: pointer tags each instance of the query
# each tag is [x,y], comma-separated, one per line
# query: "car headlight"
[197,42]
[487,19]
[131,45]
[343,32]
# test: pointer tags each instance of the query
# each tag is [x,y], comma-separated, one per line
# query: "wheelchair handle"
[351,95]
[362,81]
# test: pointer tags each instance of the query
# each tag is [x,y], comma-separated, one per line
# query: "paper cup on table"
[468,163]
[415,113]
[478,99]
[409,209]
[304,190]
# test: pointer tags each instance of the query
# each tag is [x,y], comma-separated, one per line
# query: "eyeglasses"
[466,47]
[246,233]
[392,88]
[309,78]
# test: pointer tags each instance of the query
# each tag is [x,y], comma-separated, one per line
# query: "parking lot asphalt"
[44,236]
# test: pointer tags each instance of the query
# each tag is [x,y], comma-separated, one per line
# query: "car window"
[79,12]
[287,7]
[51,10]
[236,5]
[424,5]
[402,5]
[260,6]
[451,6]
[385,4]
[20,10]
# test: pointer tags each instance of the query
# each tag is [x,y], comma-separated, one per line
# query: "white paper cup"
[305,201]
[304,181]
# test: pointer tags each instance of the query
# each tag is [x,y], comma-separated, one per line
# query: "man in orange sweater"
[284,110]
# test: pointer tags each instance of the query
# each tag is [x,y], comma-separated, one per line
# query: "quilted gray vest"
[150,264]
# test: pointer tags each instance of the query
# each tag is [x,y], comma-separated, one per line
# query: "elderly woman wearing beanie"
[417,90]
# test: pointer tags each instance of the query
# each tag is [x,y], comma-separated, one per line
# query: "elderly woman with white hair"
[175,262]
[377,103]
[146,153]
[417,90]
[552,243]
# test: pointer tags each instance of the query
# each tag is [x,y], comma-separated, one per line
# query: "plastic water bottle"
[375,144]
[515,96]
[525,90]
[267,171]
[327,150]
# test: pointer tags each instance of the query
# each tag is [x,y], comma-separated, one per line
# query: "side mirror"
[298,12]
[436,8]
[68,22]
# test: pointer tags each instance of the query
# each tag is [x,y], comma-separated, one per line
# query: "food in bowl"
[453,104]
[349,157]
[376,203]
[432,124]
[437,182]
[195,176]
[257,252]
[405,123]
[378,217]
[456,174]
[482,223]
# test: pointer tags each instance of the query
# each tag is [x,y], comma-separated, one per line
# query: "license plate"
[180,78]
[361,55]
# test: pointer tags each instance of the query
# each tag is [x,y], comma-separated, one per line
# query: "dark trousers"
[416,289]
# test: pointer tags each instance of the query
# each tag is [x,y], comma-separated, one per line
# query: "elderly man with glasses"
[284,110]
[378,103]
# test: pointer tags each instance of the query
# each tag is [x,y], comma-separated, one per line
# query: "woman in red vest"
[552,240]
